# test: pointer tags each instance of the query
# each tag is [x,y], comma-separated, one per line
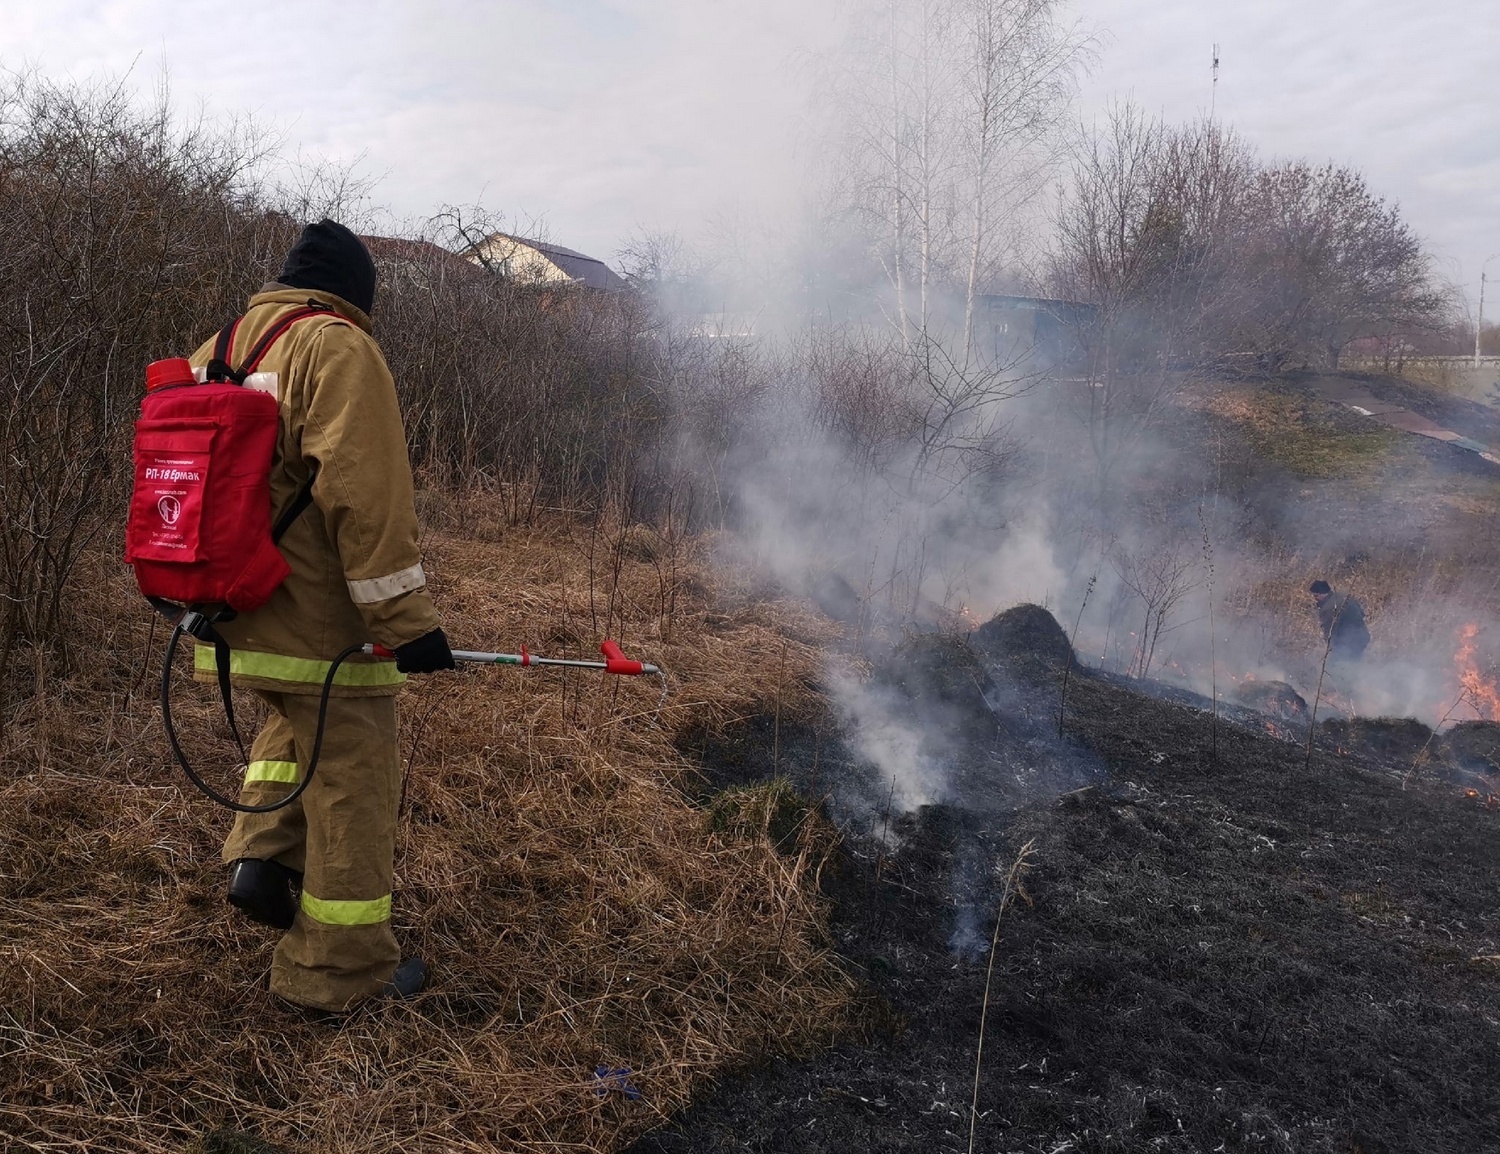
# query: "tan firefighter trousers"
[341,833]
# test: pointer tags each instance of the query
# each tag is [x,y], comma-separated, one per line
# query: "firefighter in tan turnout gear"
[321,867]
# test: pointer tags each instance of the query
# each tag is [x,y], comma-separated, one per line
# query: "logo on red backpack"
[170,509]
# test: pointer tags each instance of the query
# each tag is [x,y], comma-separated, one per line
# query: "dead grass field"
[1301,434]
[576,910]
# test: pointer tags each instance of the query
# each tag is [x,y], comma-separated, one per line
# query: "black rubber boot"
[262,891]
[410,976]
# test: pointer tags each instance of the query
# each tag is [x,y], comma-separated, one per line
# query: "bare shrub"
[122,240]
[1160,576]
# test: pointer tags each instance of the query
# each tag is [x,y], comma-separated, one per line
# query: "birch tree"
[953,107]
[1015,86]
[953,124]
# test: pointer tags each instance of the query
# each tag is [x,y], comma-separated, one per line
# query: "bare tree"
[1187,253]
[1333,263]
[951,128]
[1148,253]
[951,110]
[1015,86]
[1160,576]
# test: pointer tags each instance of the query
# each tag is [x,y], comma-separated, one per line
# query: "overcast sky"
[598,116]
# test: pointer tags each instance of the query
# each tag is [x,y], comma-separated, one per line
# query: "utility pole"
[1479,324]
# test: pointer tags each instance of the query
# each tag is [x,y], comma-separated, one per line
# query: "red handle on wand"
[615,660]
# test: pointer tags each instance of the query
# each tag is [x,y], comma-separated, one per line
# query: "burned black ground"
[1224,945]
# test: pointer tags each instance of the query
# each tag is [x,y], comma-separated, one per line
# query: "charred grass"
[1231,951]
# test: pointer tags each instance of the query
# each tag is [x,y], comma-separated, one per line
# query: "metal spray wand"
[614,661]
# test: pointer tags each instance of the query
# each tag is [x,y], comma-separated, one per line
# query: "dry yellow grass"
[576,910]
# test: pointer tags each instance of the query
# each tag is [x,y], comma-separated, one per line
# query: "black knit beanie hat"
[1319,586]
[330,258]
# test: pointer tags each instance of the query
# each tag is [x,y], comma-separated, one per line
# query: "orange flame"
[1489,801]
[1482,692]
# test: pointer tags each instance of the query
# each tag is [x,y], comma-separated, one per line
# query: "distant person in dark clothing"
[1342,620]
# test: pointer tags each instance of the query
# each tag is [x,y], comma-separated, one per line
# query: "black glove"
[427,654]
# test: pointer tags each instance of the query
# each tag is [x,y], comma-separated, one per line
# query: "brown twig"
[1312,713]
[1213,651]
[1062,705]
[1013,886]
[776,724]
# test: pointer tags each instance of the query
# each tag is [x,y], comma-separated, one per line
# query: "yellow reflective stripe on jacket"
[307,670]
[278,771]
[373,589]
[335,913]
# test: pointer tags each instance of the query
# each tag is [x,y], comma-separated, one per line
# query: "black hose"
[208,790]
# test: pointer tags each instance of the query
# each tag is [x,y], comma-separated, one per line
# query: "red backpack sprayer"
[200,536]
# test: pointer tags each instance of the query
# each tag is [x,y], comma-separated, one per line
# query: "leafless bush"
[1160,576]
[533,388]
[122,240]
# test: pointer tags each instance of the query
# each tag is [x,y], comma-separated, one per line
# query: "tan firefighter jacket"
[356,569]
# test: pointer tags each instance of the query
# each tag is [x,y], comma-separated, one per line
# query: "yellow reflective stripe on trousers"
[307,670]
[277,771]
[332,913]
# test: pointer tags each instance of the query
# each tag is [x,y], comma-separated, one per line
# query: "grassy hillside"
[1409,524]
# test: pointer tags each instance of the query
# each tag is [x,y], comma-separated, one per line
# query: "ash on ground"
[1226,942]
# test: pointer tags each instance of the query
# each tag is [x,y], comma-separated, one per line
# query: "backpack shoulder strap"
[218,367]
[219,370]
[263,346]
[298,506]
[304,495]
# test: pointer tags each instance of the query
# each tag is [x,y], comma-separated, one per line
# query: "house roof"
[588,270]
[417,252]
[1036,304]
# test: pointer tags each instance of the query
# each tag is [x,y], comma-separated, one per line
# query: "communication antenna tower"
[1214,92]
